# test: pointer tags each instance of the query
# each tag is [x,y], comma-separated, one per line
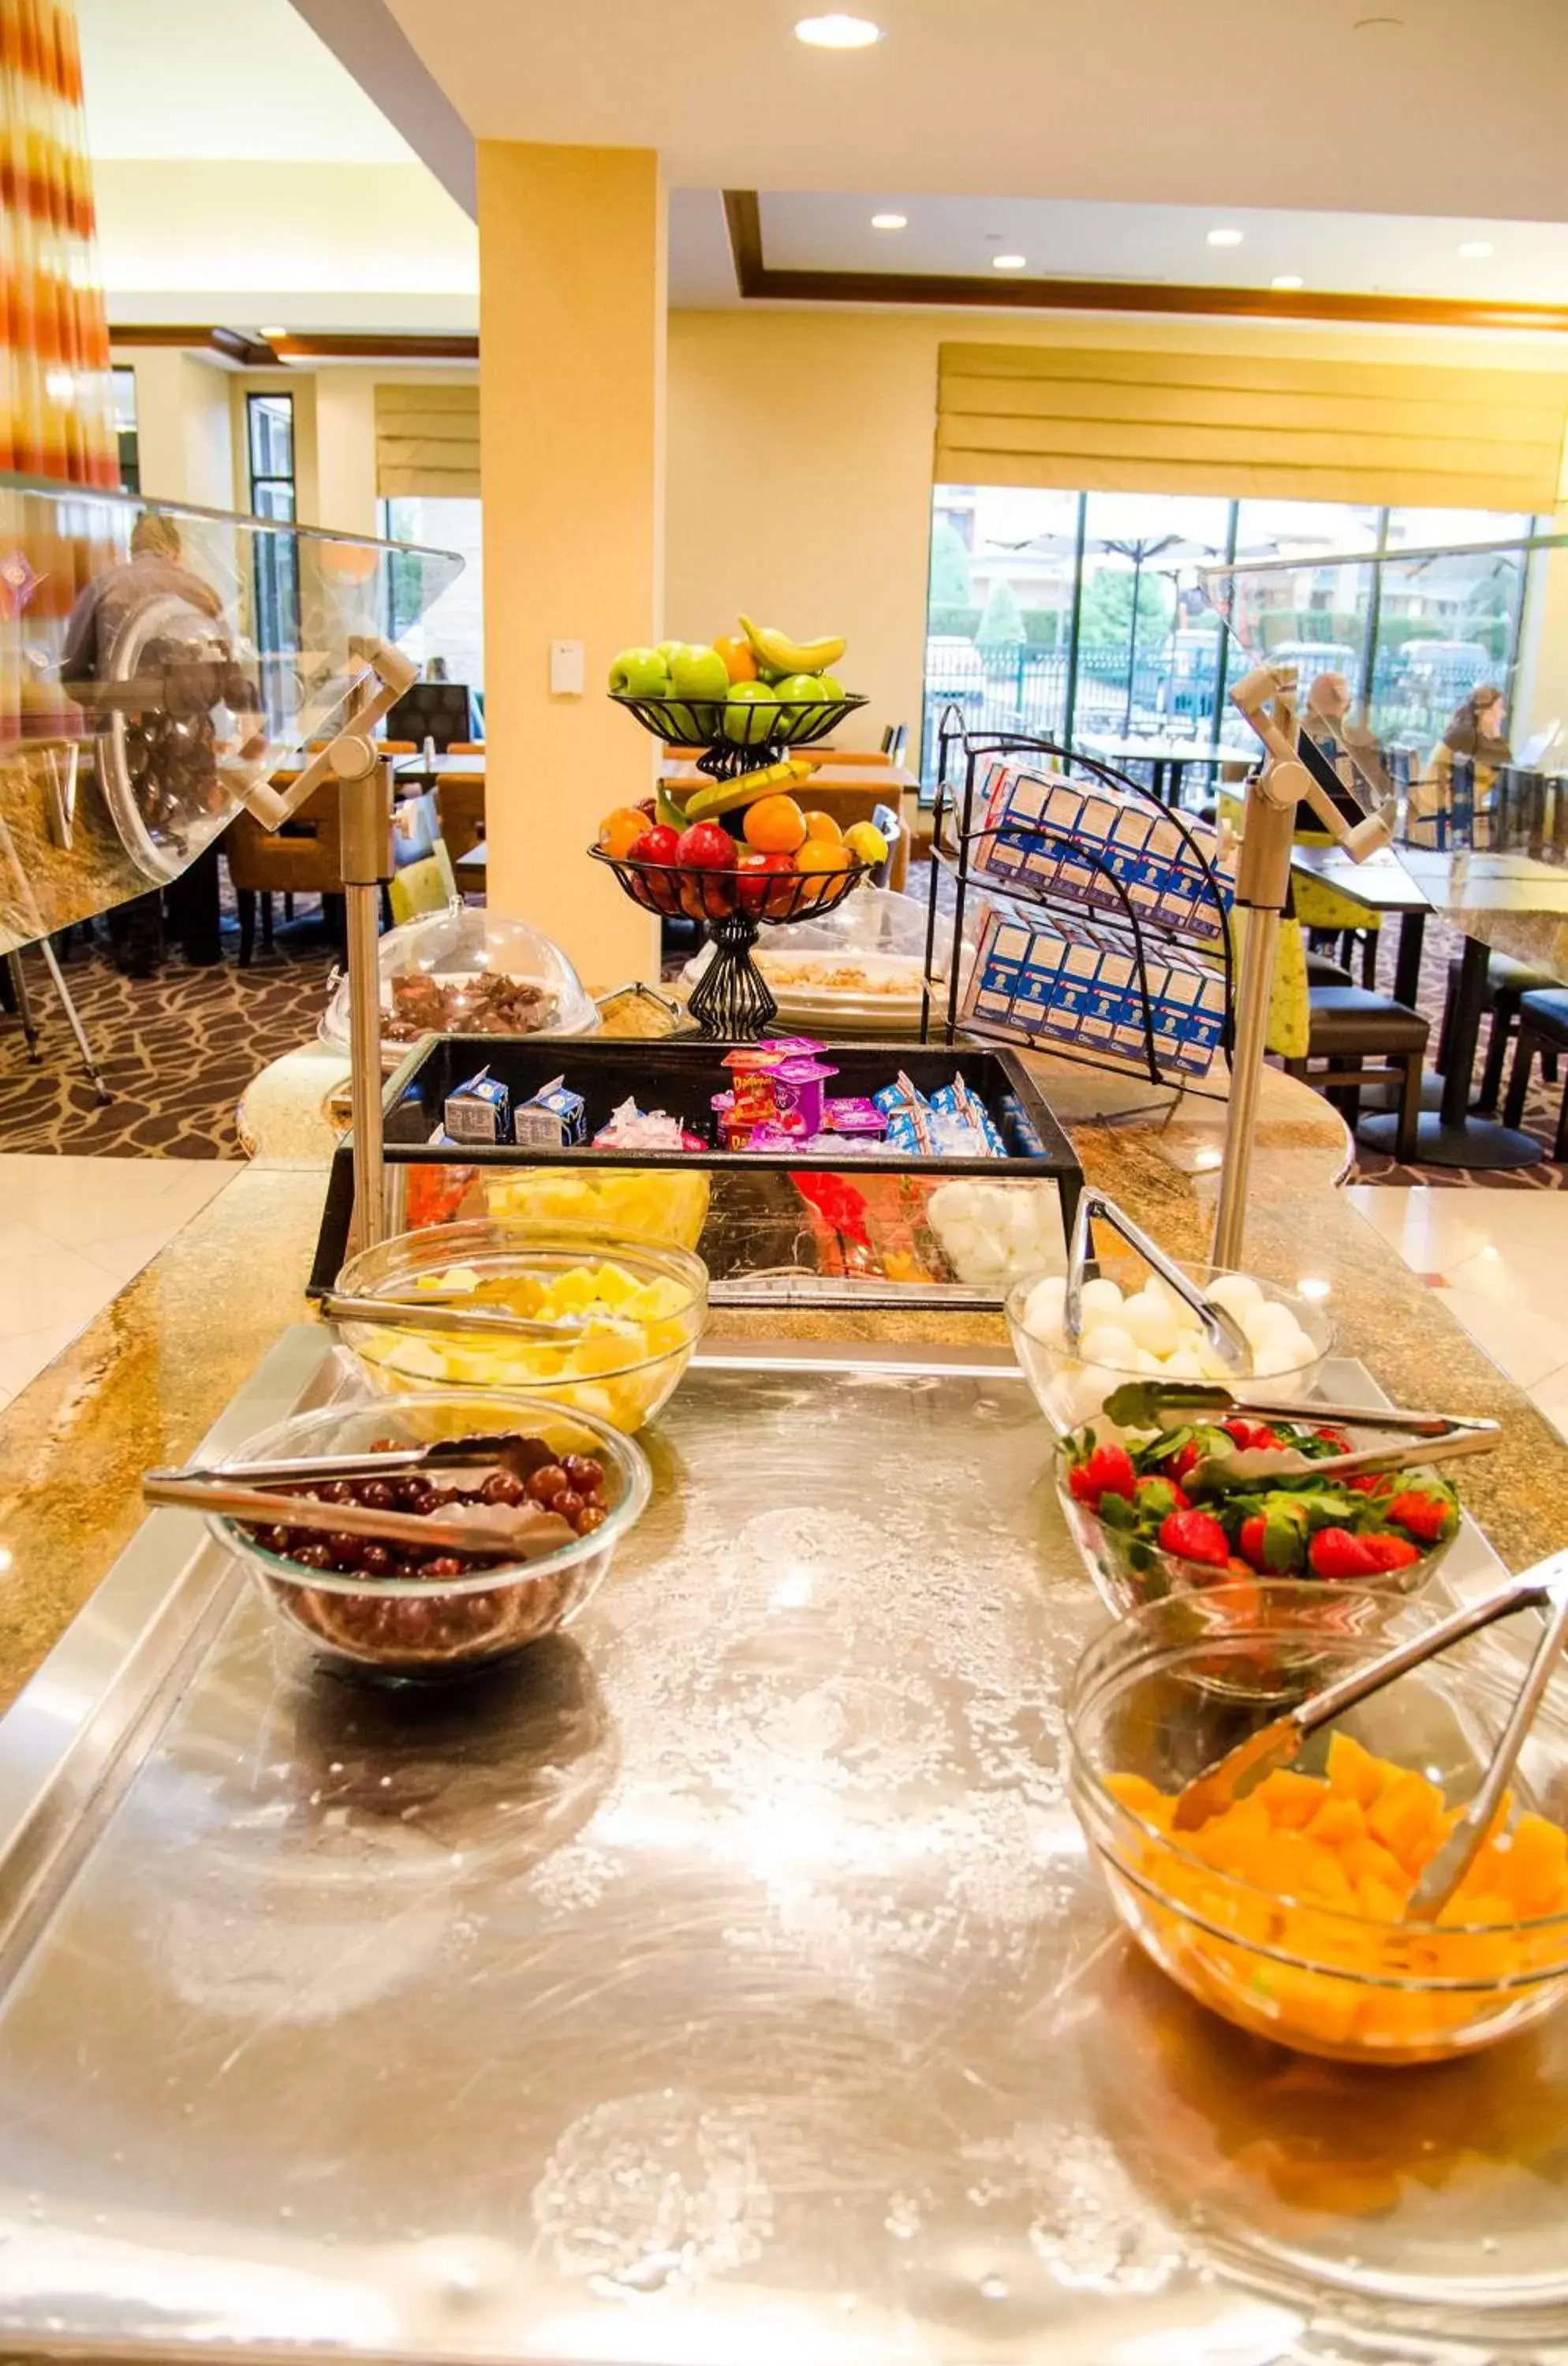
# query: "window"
[452,633]
[1078,617]
[123,396]
[269,435]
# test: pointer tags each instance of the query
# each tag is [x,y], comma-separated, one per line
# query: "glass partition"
[1438,681]
[145,693]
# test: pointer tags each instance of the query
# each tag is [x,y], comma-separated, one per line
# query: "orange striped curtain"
[55,412]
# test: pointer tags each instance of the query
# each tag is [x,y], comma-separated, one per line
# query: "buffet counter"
[144,1382]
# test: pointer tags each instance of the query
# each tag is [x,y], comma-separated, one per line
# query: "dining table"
[1505,902]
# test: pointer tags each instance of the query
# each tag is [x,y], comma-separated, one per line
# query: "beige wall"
[800,461]
[182,427]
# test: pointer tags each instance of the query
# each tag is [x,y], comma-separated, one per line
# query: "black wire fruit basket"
[730,1001]
[738,735]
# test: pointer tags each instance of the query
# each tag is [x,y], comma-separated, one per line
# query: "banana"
[775,648]
[726,796]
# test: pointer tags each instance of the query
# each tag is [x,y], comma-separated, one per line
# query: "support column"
[572,457]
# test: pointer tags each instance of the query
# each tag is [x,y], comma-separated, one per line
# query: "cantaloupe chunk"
[1368,1860]
[1317,2004]
[1379,1902]
[1405,1818]
[1536,1877]
[1353,1771]
[1141,1797]
[1337,1820]
[1292,1799]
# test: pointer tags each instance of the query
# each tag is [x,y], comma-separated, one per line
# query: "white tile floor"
[1499,1261]
[73,1232]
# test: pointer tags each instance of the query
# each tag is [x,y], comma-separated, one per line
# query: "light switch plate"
[566,669]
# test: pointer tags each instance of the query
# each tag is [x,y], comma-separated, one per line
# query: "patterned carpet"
[178,1050]
[1442,944]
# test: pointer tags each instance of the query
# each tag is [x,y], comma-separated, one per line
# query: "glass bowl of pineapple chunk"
[630,1315]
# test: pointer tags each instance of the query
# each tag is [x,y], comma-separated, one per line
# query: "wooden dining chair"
[461,803]
[305,857]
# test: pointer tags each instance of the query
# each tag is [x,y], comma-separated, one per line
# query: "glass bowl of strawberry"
[1160,1513]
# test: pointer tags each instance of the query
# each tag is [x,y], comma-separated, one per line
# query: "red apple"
[706,847]
[658,845]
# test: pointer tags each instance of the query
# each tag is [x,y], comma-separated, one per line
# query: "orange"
[740,659]
[823,826]
[823,854]
[619,831]
[774,825]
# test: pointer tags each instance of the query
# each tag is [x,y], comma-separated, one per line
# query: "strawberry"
[1157,1496]
[1391,1552]
[1334,1437]
[1251,1540]
[1177,1466]
[1108,1471]
[1337,1552]
[1273,1541]
[1428,1518]
[1249,1433]
[1195,1536]
[1373,1482]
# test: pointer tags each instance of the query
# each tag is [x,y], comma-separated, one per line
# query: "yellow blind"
[428,440]
[1241,425]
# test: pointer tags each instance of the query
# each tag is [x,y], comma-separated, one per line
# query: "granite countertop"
[143,1383]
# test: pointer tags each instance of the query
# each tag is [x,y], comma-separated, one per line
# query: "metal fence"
[1019,686]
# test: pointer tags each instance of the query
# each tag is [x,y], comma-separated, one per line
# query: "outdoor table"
[1167,759]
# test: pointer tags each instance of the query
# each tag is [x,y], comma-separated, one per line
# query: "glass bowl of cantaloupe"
[631,1314]
[1287,1913]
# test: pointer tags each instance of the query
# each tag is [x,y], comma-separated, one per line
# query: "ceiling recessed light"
[1009,261]
[838,32]
[1225,237]
[1476,250]
[890,222]
[1287,279]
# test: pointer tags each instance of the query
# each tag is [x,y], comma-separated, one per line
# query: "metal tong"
[1222,1331]
[1274,1745]
[1439,1436]
[433,1314]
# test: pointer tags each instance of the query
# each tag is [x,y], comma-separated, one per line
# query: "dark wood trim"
[757,279]
[743,219]
[328,347]
[257,352]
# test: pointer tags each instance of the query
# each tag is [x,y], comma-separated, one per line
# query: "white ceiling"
[1448,109]
[243,177]
[1395,254]
[178,79]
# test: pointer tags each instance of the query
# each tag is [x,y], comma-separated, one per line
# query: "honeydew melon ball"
[1102,1302]
[1268,1320]
[1151,1322]
[1236,1292]
[1112,1345]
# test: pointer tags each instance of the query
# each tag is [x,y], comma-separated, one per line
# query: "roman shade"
[428,440]
[1234,425]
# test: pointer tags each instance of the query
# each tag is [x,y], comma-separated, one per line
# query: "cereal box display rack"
[1103,916]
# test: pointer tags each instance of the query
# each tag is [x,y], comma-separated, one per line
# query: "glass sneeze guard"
[140,708]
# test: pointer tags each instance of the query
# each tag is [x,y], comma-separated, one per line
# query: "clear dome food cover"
[468,971]
[159,666]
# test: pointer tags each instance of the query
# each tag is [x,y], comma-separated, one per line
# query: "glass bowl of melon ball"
[1288,1912]
[1136,1327]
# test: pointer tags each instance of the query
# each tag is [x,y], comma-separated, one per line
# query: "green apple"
[698,672]
[670,651]
[771,673]
[830,686]
[751,714]
[640,674]
[805,690]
